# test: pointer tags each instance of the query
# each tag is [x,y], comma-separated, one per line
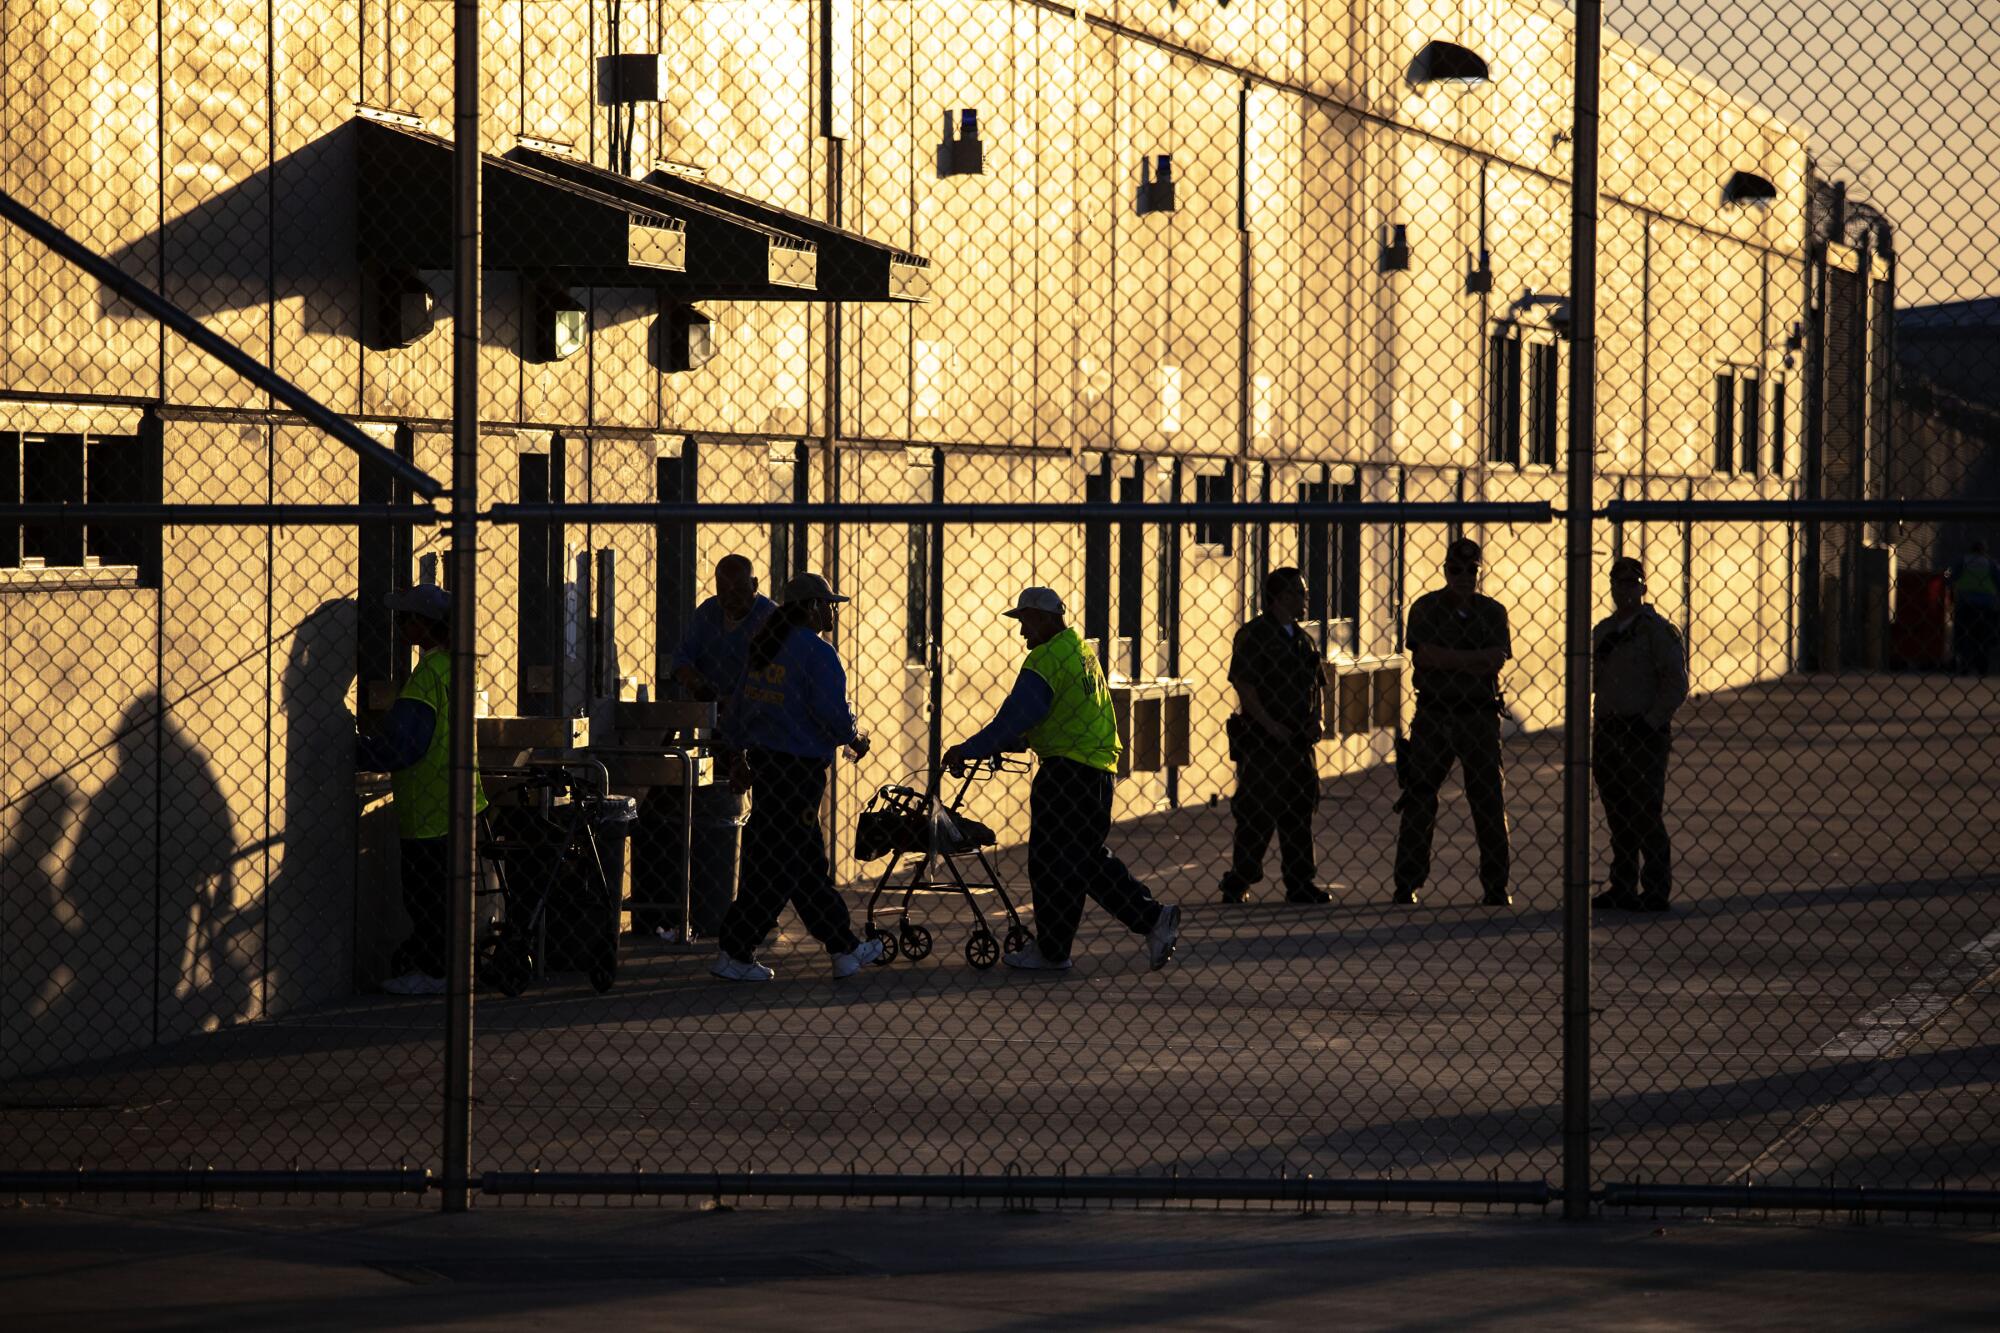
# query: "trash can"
[656,859]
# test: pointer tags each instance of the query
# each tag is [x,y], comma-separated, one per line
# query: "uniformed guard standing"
[1458,642]
[1640,679]
[1277,673]
[1060,708]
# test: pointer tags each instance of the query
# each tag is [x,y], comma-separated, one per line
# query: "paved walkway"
[1819,1007]
[937,1271]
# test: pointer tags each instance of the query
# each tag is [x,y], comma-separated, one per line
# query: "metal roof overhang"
[851,266]
[540,222]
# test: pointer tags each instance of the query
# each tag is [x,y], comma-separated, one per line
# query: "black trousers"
[1437,737]
[1975,638]
[1630,761]
[1069,814]
[1277,790]
[427,898]
[784,859]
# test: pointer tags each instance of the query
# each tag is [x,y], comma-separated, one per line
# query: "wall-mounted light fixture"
[1795,342]
[1478,274]
[556,323]
[1448,62]
[1747,187]
[405,308]
[685,339]
[964,155]
[1394,255]
[632,77]
[1156,184]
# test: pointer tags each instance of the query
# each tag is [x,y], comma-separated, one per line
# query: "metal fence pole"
[462,853]
[1576,683]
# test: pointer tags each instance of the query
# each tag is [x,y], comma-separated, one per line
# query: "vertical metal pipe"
[462,860]
[1811,484]
[936,743]
[1576,683]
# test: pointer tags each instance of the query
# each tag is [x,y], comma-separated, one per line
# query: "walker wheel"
[1017,938]
[916,942]
[888,940]
[982,950]
[508,967]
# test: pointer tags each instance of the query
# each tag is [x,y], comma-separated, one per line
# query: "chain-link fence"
[1339,692]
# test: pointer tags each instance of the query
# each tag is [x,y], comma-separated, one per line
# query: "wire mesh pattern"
[1158,788]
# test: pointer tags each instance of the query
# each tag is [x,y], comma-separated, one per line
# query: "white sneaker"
[847,964]
[1166,932]
[414,983]
[1030,960]
[730,970]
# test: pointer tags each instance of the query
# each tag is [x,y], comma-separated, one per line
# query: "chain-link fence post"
[464,568]
[1577,608]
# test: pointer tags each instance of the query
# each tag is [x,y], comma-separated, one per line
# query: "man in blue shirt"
[709,662]
[791,718]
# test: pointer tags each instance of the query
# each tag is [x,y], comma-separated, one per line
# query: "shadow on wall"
[313,816]
[284,232]
[105,952]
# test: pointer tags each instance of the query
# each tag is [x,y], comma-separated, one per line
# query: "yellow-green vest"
[423,790]
[1080,724]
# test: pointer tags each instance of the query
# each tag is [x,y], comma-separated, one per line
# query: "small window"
[82,469]
[1751,420]
[1725,423]
[1503,399]
[1544,393]
[1778,429]
[1214,489]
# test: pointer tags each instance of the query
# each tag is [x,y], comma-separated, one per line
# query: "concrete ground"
[1820,1007]
[550,1268]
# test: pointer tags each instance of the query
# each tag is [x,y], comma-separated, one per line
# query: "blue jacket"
[797,704]
[719,654]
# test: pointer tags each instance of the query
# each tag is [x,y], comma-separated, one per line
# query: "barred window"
[39,468]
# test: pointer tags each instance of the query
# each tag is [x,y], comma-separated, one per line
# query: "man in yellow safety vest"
[413,746]
[1060,708]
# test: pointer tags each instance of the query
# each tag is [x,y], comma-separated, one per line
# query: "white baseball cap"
[1036,599]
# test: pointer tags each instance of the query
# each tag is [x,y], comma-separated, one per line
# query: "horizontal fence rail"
[1015,1188]
[204,1180]
[1856,1199]
[221,515]
[854,513]
[1970,508]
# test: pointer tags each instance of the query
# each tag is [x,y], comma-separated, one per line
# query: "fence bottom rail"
[1017,1188]
[205,1180]
[1802,1198]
